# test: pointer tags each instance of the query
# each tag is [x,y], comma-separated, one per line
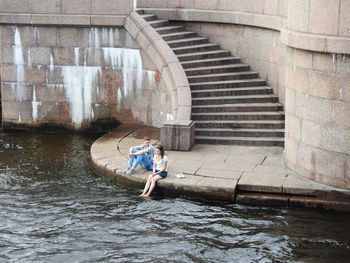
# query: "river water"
[54,207]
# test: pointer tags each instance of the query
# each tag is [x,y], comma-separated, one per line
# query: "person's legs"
[134,162]
[138,160]
[148,183]
[131,161]
[146,163]
[153,184]
[142,160]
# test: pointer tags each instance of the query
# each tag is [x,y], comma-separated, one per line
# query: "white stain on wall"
[35,106]
[51,63]
[18,61]
[79,83]
[129,60]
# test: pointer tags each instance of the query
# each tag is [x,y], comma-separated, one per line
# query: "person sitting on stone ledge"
[141,155]
[160,171]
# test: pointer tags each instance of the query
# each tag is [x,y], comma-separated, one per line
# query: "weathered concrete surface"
[246,175]
[77,79]
[178,135]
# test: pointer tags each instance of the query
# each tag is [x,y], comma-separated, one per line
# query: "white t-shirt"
[160,163]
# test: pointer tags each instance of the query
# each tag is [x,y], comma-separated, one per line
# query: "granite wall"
[72,64]
[318,92]
[76,78]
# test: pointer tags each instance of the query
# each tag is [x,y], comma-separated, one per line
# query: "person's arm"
[138,152]
[141,152]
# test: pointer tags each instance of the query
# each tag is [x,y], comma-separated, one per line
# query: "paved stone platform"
[242,174]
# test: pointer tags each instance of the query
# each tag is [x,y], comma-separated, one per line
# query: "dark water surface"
[55,208]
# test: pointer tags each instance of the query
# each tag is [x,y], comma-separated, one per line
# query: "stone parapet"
[313,25]
[219,16]
[167,63]
[65,12]
[266,7]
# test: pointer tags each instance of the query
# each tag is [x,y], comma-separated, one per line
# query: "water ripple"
[55,208]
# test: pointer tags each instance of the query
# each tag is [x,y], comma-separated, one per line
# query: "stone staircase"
[230,103]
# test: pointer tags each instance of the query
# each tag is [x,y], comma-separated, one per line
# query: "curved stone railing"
[166,62]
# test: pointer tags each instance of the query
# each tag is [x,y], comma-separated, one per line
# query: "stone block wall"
[318,116]
[76,77]
[66,12]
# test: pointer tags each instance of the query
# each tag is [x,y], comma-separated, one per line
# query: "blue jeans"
[142,159]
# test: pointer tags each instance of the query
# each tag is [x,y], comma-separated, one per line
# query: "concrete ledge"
[314,42]
[217,16]
[62,20]
[109,157]
[231,173]
[262,199]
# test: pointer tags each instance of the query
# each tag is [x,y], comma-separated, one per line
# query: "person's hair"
[161,149]
[146,138]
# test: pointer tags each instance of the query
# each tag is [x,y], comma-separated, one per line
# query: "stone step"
[204,55]
[242,124]
[240,132]
[223,76]
[251,141]
[217,116]
[230,103]
[210,62]
[231,92]
[169,29]
[228,84]
[239,67]
[158,23]
[196,48]
[187,42]
[179,35]
[148,17]
[235,99]
[245,107]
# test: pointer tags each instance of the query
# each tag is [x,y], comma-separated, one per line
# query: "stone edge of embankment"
[109,157]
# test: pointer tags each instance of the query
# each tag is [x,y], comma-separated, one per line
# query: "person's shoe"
[130,172]
[126,170]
